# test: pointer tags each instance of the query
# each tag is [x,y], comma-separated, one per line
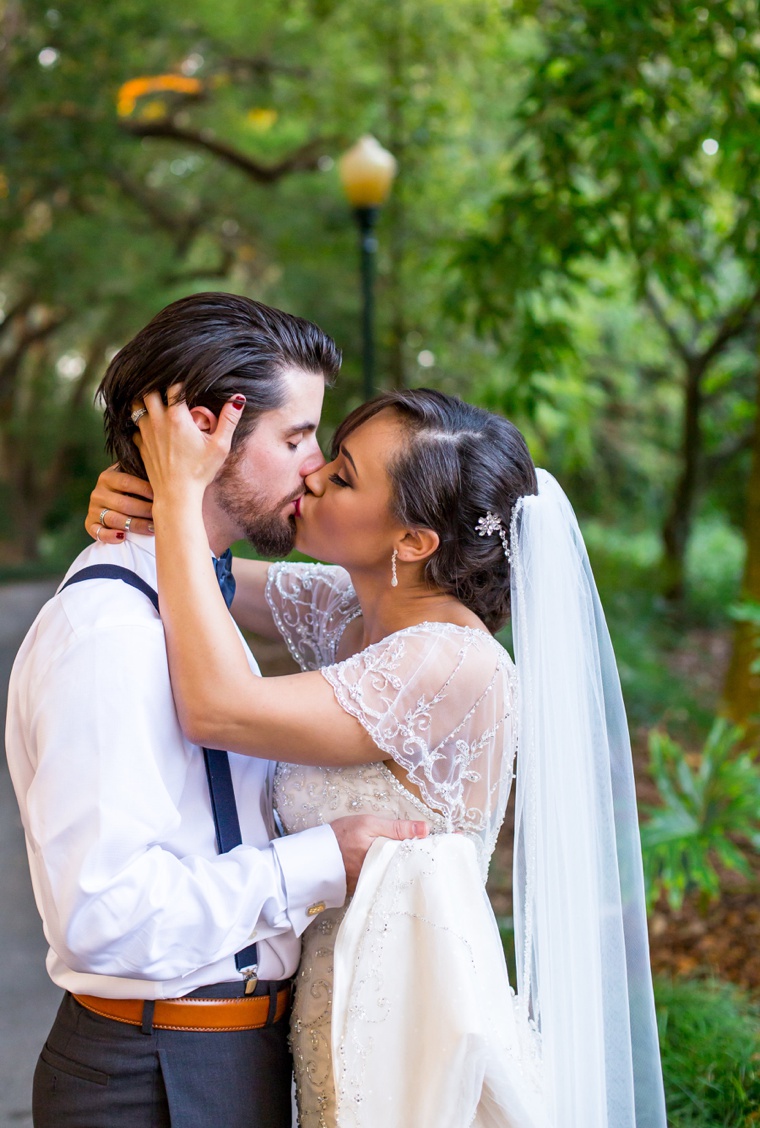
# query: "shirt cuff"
[313,872]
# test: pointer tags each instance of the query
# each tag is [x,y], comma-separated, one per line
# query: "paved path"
[29,999]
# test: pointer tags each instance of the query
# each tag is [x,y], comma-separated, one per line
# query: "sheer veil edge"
[584,977]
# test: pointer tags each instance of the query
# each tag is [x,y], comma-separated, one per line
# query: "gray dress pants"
[94,1072]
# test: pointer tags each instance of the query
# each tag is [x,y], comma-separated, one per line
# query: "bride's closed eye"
[338,481]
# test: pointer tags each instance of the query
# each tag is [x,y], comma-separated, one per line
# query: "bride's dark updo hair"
[460,463]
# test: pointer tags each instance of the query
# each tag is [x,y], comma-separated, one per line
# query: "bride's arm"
[220,702]
[250,608]
[120,496]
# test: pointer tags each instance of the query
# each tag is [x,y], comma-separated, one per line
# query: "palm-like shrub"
[710,813]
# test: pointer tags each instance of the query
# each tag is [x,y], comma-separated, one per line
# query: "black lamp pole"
[366,219]
[366,172]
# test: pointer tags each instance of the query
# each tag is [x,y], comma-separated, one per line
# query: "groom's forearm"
[250,608]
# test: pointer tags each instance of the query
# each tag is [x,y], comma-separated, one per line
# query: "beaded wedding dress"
[403,1014]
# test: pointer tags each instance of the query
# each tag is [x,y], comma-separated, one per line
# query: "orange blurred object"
[135,88]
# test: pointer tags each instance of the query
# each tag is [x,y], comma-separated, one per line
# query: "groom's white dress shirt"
[135,900]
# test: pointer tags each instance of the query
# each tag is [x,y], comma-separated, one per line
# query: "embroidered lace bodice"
[436,698]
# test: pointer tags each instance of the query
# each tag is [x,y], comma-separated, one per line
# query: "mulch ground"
[721,939]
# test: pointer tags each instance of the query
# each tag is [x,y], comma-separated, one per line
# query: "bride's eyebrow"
[347,454]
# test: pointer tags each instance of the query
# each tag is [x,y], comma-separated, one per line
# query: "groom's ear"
[204,419]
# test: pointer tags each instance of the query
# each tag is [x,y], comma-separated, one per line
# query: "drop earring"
[394,576]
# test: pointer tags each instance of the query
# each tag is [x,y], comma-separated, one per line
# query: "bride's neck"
[386,609]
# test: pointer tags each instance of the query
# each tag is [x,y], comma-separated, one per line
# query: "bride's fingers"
[175,395]
[110,507]
[154,407]
[229,417]
[116,527]
[106,536]
[119,482]
[121,503]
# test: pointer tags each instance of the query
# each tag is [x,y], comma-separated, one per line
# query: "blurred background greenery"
[572,240]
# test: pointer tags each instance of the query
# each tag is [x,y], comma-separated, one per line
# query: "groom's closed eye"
[294,436]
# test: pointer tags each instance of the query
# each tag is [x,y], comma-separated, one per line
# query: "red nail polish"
[238,402]
[120,536]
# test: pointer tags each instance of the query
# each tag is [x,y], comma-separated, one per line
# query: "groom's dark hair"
[215,345]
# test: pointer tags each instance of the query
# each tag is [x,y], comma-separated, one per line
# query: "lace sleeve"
[312,604]
[439,700]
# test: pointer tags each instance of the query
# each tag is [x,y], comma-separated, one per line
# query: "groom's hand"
[356,833]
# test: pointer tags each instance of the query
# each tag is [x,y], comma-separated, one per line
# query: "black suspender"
[221,791]
[114,572]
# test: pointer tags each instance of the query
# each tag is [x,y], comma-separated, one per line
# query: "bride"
[435,521]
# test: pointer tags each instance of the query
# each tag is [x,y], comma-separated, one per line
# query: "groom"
[171,908]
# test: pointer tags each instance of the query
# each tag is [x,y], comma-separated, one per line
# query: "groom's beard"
[264,525]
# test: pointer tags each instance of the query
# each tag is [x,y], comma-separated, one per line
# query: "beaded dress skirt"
[307,797]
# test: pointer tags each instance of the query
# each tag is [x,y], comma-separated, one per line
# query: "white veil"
[580,921]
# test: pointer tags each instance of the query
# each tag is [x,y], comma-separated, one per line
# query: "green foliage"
[650,642]
[710,1047]
[709,800]
[607,161]
[109,209]
[714,563]
[709,1036]
[508,125]
[630,184]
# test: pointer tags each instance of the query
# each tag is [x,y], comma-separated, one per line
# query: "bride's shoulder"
[435,652]
[456,638]
[312,583]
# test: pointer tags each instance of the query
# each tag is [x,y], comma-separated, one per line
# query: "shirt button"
[314,909]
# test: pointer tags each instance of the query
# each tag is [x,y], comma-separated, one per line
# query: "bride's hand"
[182,450]
[113,508]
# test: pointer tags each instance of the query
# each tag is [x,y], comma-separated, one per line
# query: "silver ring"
[137,414]
[102,517]
[97,532]
[127,524]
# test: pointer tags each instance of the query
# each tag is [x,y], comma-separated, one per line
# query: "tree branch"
[219,271]
[720,458]
[260,67]
[21,306]
[670,330]
[184,228]
[733,325]
[12,362]
[303,159]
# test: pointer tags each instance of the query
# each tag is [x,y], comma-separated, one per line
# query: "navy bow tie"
[223,569]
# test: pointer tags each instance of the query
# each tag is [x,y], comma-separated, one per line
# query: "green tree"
[149,150]
[635,148]
[97,231]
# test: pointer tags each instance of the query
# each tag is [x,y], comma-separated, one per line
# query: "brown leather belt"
[247,1013]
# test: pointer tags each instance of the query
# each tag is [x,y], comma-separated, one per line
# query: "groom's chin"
[272,536]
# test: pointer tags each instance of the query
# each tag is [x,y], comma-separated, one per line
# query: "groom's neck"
[220,530]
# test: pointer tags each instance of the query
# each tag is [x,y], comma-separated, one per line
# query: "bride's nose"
[312,460]
[315,482]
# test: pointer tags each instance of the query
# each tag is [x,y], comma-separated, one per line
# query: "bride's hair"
[460,463]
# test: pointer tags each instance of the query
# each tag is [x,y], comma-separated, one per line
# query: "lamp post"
[366,172]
